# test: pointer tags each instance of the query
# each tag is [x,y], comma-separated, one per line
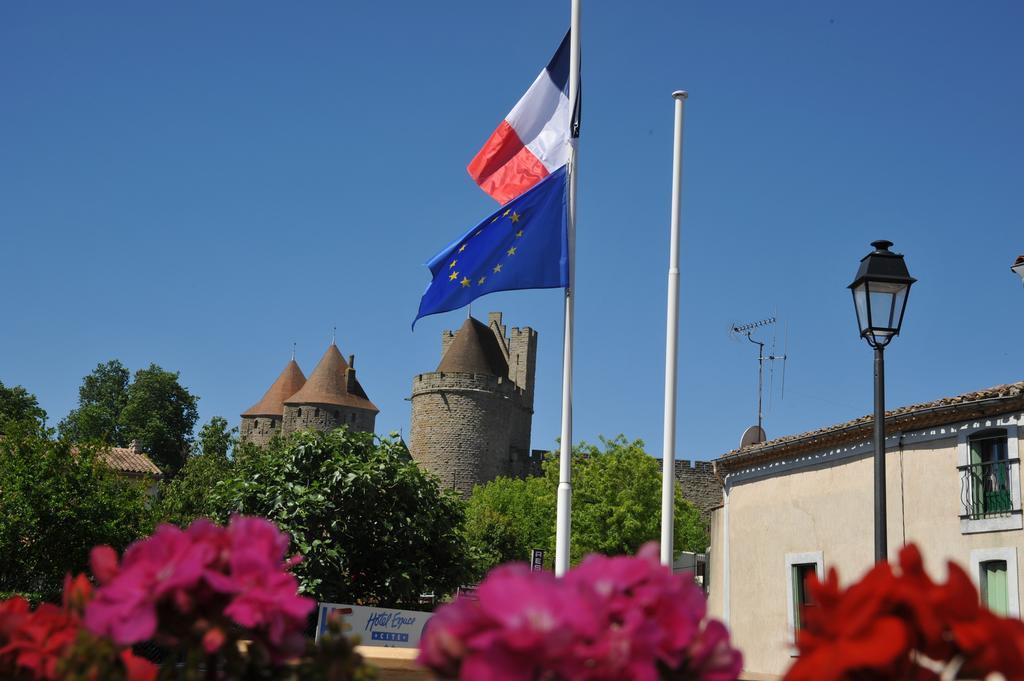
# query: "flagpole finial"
[334,335]
[293,351]
[680,94]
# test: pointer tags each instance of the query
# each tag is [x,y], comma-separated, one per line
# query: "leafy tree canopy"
[372,527]
[153,408]
[187,496]
[101,399]
[18,405]
[56,503]
[616,507]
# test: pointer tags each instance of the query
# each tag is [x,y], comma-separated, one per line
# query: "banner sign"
[376,626]
[537,560]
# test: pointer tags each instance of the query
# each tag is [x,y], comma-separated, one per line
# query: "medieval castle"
[471,417]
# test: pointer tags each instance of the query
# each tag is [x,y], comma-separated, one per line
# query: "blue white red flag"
[533,140]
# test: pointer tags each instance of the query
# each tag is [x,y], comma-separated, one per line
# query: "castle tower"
[470,418]
[330,398]
[263,420]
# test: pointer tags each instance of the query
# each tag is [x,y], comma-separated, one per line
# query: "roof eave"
[921,418]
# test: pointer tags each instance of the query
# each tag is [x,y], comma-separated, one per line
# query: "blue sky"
[201,184]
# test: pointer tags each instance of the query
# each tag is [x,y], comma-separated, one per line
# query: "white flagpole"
[668,452]
[563,520]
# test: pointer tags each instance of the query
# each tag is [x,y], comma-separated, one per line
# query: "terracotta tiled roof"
[129,460]
[1000,399]
[286,385]
[328,384]
[474,350]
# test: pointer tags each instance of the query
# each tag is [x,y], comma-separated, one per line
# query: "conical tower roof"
[474,350]
[328,384]
[286,385]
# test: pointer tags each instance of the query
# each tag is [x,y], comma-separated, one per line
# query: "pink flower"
[213,639]
[624,618]
[169,561]
[450,627]
[208,574]
[711,656]
[103,561]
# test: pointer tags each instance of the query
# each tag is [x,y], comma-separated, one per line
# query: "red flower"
[877,628]
[138,669]
[41,640]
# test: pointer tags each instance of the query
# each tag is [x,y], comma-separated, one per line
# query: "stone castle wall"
[461,427]
[327,417]
[700,486]
[259,429]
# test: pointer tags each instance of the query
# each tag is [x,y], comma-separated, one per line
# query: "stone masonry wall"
[259,429]
[461,426]
[326,417]
[700,486]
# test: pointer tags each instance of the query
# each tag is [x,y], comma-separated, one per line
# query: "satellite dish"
[754,435]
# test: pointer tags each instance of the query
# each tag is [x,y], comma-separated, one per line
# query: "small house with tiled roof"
[129,461]
[803,503]
[331,397]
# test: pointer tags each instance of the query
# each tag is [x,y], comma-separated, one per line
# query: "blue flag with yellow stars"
[522,245]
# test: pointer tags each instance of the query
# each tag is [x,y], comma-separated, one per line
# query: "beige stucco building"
[804,503]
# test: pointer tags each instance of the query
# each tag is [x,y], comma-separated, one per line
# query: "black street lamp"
[880,292]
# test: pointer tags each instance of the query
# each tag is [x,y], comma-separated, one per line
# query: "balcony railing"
[986,488]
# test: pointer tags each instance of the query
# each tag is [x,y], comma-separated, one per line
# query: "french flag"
[533,140]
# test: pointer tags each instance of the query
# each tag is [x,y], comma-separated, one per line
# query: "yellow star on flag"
[515,217]
[480,281]
[519,233]
[453,264]
[497,268]
[462,248]
[464,282]
[453,276]
[507,211]
[511,251]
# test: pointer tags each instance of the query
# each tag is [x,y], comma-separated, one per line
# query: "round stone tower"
[464,414]
[263,420]
[330,398]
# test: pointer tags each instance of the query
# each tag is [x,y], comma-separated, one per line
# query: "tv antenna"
[749,330]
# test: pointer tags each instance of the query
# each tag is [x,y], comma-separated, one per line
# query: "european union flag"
[523,245]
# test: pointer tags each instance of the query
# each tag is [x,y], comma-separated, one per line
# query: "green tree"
[153,408]
[160,413]
[187,496]
[508,517]
[18,405]
[216,438]
[616,507]
[101,399]
[372,527]
[56,503]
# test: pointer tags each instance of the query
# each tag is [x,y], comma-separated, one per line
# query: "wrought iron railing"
[986,488]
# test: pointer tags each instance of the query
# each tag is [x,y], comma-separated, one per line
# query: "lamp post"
[880,292]
[1018,266]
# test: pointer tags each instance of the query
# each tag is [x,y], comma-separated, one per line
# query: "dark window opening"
[985,480]
[801,595]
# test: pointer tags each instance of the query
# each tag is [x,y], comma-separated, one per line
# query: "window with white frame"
[800,566]
[989,470]
[995,573]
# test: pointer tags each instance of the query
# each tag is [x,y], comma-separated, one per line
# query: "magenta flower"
[125,607]
[620,618]
[200,581]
